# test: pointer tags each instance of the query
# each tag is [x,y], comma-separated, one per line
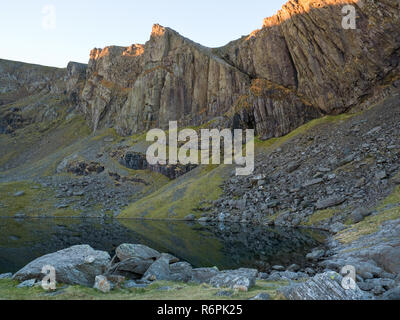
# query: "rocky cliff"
[299,65]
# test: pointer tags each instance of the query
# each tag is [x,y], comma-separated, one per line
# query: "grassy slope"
[184,195]
[8,291]
[372,224]
[36,201]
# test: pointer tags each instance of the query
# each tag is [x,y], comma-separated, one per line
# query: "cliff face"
[304,47]
[19,80]
[300,65]
[168,78]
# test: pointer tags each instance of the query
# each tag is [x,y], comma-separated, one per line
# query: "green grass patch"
[320,216]
[277,142]
[372,224]
[36,201]
[181,196]
[178,292]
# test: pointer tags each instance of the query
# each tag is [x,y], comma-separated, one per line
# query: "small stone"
[61,206]
[133,285]
[27,283]
[190,217]
[294,268]
[262,297]
[19,193]
[204,219]
[329,202]
[374,130]
[347,160]
[6,275]
[380,175]
[102,284]
[312,182]
[278,268]
[293,166]
[315,255]
[273,204]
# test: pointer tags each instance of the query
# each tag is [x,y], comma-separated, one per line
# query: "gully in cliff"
[189,153]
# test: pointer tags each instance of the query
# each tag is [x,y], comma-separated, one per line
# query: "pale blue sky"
[81,25]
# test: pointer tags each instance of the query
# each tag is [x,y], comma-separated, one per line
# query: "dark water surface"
[224,246]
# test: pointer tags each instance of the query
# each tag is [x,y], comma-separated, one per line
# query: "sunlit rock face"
[300,65]
[169,78]
[305,47]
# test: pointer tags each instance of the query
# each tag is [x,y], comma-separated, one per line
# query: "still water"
[224,246]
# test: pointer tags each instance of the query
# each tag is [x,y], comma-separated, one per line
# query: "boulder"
[132,265]
[127,251]
[77,265]
[27,283]
[6,275]
[181,272]
[242,279]
[324,286]
[158,271]
[203,275]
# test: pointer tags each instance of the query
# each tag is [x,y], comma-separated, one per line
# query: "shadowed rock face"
[300,65]
[137,161]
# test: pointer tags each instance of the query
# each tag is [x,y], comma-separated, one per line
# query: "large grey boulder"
[181,271]
[242,279]
[127,251]
[159,270]
[324,286]
[203,275]
[77,265]
[134,266]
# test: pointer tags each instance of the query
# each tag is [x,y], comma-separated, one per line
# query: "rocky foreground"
[136,266]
